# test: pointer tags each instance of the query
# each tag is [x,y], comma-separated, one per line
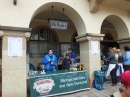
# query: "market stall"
[58,82]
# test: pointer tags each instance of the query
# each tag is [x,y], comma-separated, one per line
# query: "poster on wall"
[14,46]
[94,47]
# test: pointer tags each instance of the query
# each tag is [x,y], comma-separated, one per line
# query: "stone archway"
[119,25]
[120,28]
[69,11]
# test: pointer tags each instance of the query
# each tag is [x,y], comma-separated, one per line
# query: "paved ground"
[95,93]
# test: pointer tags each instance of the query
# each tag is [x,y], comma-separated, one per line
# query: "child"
[66,62]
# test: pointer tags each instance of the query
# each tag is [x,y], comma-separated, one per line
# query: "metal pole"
[63,13]
[52,12]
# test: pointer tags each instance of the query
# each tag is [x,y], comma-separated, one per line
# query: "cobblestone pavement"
[95,93]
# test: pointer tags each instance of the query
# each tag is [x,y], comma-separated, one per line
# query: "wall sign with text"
[14,46]
[57,84]
[58,24]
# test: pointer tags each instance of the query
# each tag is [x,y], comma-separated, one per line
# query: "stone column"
[123,42]
[91,61]
[14,68]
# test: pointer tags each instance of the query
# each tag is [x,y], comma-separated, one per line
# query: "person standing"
[56,54]
[66,62]
[72,55]
[120,63]
[126,58]
[50,61]
[108,52]
[113,66]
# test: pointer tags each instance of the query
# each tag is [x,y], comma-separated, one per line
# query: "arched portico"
[119,27]
[83,38]
[69,11]
[87,25]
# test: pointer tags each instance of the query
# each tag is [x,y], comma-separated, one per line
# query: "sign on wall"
[58,24]
[14,46]
[94,47]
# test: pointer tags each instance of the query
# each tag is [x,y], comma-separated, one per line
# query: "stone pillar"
[123,42]
[14,68]
[91,61]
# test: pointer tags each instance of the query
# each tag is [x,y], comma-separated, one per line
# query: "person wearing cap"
[50,61]
[72,55]
[66,62]
[124,91]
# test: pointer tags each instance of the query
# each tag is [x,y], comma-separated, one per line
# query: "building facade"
[89,20]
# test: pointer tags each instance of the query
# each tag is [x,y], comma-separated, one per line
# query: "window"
[40,41]
[43,35]
[64,46]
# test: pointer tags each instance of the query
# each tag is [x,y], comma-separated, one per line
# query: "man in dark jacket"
[72,55]
[66,62]
[56,54]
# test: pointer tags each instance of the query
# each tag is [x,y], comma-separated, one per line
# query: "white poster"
[94,47]
[14,46]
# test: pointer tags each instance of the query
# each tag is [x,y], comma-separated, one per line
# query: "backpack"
[97,85]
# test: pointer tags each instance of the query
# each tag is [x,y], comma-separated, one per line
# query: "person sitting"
[72,55]
[50,61]
[124,91]
[66,62]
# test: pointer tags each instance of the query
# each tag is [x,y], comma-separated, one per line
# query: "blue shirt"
[57,56]
[73,55]
[126,58]
[47,64]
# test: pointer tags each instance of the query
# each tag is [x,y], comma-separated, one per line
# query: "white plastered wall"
[77,10]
